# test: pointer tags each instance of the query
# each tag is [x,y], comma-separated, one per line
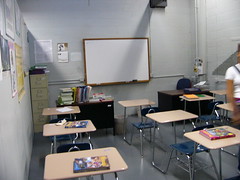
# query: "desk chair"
[214,116]
[60,138]
[145,123]
[183,83]
[187,149]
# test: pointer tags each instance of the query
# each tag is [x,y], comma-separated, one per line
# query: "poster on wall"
[62,52]
[43,51]
[17,20]
[5,54]
[9,18]
[20,72]
[13,68]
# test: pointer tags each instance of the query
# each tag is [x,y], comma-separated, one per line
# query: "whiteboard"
[116,61]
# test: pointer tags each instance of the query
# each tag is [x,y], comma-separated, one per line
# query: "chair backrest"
[74,147]
[183,83]
[203,127]
[148,110]
[213,105]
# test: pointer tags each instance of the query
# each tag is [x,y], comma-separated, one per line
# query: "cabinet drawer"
[37,106]
[39,80]
[39,94]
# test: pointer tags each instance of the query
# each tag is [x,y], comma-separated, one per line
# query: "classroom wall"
[170,30]
[16,129]
[222,34]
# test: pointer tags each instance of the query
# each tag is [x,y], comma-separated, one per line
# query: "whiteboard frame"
[90,64]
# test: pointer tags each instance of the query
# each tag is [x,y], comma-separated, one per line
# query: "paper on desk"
[65,109]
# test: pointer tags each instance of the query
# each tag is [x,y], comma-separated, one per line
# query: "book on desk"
[76,124]
[90,164]
[216,133]
[190,96]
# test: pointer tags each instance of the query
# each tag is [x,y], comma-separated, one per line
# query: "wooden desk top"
[60,166]
[206,97]
[219,92]
[53,129]
[218,143]
[171,116]
[226,106]
[136,102]
[57,110]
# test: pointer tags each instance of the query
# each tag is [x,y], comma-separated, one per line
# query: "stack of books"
[66,96]
[38,69]
[216,133]
[82,93]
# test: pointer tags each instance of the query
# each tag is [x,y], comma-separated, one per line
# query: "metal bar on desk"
[153,152]
[125,126]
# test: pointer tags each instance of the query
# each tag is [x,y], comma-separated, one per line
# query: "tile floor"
[140,168]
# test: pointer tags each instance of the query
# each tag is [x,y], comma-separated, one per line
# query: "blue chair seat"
[209,117]
[140,125]
[64,137]
[188,148]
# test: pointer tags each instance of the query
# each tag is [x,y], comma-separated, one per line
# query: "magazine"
[90,164]
[216,133]
[76,124]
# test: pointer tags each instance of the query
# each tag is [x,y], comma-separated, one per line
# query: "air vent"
[158,3]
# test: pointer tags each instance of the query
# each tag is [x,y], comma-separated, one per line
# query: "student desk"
[225,107]
[215,144]
[167,117]
[133,103]
[60,166]
[54,130]
[220,93]
[61,110]
[199,99]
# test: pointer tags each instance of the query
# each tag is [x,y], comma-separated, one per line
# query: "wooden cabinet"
[39,100]
[169,100]
[100,113]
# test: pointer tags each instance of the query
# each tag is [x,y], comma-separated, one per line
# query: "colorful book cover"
[76,124]
[191,96]
[216,133]
[90,164]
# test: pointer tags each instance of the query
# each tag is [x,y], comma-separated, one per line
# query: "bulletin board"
[116,61]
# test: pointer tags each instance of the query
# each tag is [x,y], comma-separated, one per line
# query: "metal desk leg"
[153,152]
[125,126]
[193,162]
[185,109]
[116,176]
[199,108]
[220,164]
[55,144]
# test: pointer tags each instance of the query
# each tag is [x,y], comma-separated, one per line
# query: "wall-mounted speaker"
[158,3]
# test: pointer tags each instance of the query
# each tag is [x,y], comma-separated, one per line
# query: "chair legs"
[141,136]
[190,164]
